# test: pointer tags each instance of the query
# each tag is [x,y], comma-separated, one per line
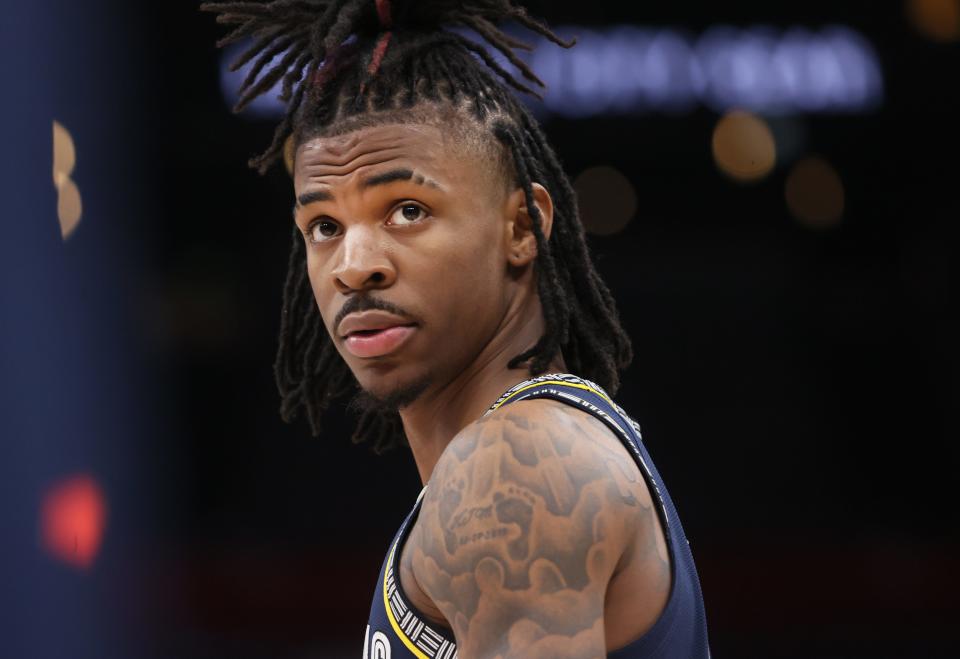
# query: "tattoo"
[478,513]
[521,528]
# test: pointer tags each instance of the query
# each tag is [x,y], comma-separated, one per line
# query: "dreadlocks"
[345,64]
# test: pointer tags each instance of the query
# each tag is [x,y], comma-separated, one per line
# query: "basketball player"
[439,271]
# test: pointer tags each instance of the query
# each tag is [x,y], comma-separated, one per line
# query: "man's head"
[427,196]
[416,220]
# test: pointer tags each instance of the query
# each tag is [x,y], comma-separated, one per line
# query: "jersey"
[396,630]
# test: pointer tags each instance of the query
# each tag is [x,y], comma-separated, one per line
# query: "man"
[439,266]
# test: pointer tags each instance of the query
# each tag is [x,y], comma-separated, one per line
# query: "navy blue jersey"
[398,631]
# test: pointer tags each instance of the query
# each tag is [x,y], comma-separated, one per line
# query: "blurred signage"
[623,70]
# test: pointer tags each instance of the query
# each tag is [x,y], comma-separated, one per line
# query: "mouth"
[378,342]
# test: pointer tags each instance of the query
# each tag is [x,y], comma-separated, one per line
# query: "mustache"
[366,303]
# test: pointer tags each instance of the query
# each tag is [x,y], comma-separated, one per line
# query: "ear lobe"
[522,247]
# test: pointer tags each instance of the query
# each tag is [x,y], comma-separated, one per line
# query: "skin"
[537,535]
[538,538]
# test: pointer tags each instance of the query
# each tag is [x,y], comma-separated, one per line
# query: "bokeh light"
[815,194]
[607,200]
[938,20]
[69,204]
[743,146]
[72,519]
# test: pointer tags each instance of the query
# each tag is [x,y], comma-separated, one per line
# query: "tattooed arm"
[524,521]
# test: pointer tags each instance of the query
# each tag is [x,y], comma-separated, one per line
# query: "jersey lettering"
[376,648]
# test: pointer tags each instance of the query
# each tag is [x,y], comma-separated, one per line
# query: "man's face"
[407,227]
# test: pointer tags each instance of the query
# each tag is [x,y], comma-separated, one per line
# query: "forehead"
[424,147]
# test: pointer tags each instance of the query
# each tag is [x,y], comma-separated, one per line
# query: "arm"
[523,524]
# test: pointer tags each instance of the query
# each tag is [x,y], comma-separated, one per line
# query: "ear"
[521,241]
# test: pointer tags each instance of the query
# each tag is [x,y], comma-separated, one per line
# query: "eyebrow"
[388,177]
[383,178]
[312,196]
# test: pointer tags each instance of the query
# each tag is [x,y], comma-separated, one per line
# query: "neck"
[431,422]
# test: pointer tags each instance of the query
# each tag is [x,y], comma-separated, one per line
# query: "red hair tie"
[383,12]
[378,52]
[327,70]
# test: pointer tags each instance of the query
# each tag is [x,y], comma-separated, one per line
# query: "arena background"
[782,261]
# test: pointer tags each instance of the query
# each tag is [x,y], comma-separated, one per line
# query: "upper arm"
[523,523]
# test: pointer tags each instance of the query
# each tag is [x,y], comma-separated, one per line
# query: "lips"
[374,333]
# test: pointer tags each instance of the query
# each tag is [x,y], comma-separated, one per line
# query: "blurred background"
[771,192]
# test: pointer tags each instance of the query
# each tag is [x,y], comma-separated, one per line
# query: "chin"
[389,390]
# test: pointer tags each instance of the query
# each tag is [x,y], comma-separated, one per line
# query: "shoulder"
[563,456]
[524,521]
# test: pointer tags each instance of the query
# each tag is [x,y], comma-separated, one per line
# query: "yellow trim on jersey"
[562,382]
[417,652]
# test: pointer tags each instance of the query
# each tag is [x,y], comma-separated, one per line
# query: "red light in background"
[72,519]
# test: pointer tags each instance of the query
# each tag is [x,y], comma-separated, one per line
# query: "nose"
[363,262]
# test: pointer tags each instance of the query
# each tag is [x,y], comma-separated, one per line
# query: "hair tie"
[383,12]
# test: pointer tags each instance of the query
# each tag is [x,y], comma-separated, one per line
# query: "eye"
[322,230]
[407,214]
